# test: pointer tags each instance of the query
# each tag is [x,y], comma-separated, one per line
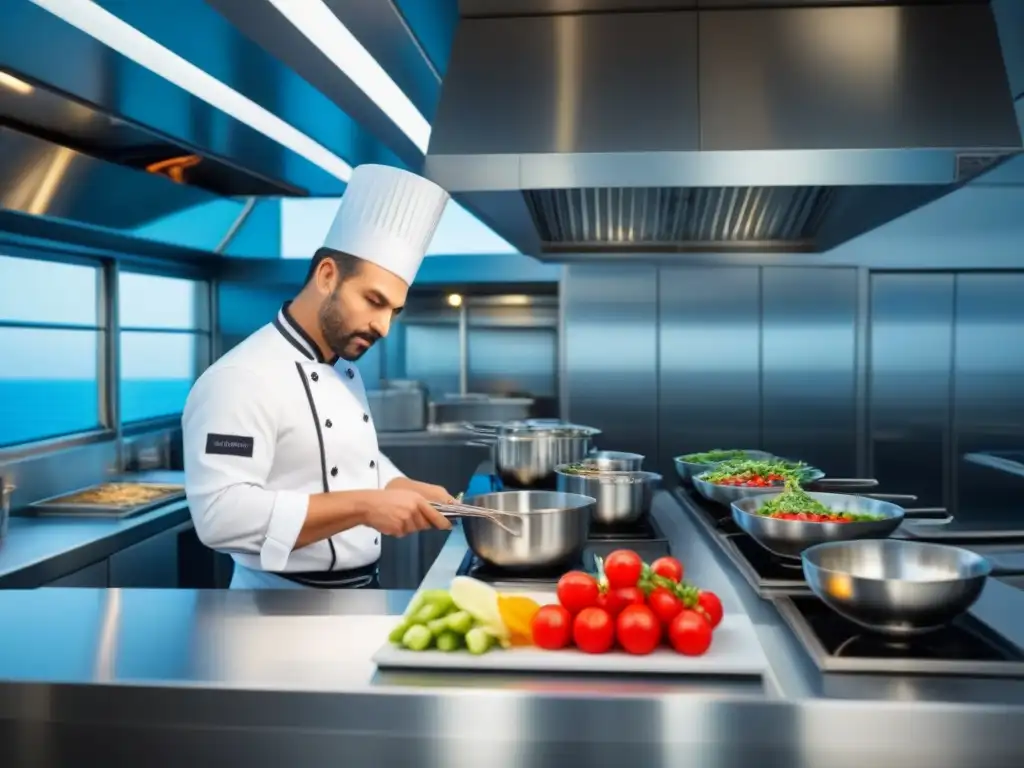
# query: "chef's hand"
[434,493]
[398,512]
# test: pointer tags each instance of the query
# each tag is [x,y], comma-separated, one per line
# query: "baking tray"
[66,504]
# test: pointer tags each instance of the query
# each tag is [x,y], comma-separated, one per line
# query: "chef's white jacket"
[264,427]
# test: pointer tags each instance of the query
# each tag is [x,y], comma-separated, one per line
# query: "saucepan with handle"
[897,587]
[863,517]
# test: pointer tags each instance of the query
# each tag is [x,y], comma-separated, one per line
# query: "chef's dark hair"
[346,263]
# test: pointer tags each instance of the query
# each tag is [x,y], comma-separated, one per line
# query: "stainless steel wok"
[553,529]
[896,587]
[687,470]
[622,497]
[526,455]
[789,538]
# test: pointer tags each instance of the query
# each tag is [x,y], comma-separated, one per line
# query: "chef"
[282,467]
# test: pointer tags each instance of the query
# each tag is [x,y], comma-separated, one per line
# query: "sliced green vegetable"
[459,622]
[437,626]
[441,597]
[448,641]
[478,641]
[398,633]
[713,456]
[417,638]
[429,612]
[795,470]
[414,605]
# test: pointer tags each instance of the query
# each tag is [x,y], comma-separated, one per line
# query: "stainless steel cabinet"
[152,563]
[988,385]
[610,354]
[709,352]
[910,383]
[92,576]
[808,365]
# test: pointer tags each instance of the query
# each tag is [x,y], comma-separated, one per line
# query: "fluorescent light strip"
[130,42]
[324,30]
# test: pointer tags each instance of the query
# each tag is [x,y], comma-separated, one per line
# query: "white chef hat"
[387,216]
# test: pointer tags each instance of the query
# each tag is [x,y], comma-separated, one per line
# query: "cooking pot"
[525,456]
[552,529]
[623,497]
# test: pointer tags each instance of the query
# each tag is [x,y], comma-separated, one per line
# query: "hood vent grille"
[679,216]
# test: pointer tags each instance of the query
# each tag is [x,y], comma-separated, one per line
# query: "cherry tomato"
[665,605]
[690,633]
[622,568]
[638,629]
[551,627]
[669,568]
[593,630]
[577,590]
[709,604]
[614,600]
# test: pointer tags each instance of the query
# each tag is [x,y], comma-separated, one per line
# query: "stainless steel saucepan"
[615,461]
[525,455]
[622,497]
[553,529]
[896,587]
[789,538]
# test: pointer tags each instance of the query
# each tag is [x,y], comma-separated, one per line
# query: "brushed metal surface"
[709,360]
[910,383]
[868,77]
[542,84]
[398,406]
[988,393]
[808,378]
[611,354]
[895,587]
[552,528]
[528,459]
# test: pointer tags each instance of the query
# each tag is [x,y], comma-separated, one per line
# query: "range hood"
[745,129]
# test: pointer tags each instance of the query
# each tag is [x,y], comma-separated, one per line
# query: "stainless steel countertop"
[38,550]
[280,676]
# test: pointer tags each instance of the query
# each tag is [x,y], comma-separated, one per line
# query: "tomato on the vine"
[622,568]
[709,604]
[690,633]
[615,600]
[666,606]
[593,630]
[577,590]
[551,627]
[638,629]
[668,568]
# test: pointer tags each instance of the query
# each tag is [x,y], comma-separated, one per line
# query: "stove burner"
[964,647]
[641,529]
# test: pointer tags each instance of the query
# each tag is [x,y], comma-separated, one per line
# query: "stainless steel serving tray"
[66,504]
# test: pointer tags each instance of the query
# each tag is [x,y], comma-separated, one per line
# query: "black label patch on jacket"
[230,445]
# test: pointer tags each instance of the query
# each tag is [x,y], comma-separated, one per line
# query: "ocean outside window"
[164,342]
[50,342]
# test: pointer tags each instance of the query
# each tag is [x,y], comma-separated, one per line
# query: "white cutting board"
[735,650]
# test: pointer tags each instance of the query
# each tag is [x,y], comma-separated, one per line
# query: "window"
[50,342]
[164,342]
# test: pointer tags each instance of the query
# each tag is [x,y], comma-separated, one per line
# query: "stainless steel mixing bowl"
[615,461]
[893,586]
[553,525]
[622,497]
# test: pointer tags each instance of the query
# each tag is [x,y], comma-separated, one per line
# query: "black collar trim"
[298,337]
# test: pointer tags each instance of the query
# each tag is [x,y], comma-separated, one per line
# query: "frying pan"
[896,587]
[789,538]
[687,470]
[812,479]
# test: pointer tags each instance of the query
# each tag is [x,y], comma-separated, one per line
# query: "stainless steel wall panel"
[808,368]
[709,346]
[988,391]
[910,383]
[611,353]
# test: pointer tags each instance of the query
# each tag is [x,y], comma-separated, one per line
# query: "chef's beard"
[336,332]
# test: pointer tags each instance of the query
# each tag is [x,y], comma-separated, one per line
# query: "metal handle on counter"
[928,516]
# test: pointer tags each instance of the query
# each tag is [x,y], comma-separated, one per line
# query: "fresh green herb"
[776,470]
[794,503]
[713,456]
